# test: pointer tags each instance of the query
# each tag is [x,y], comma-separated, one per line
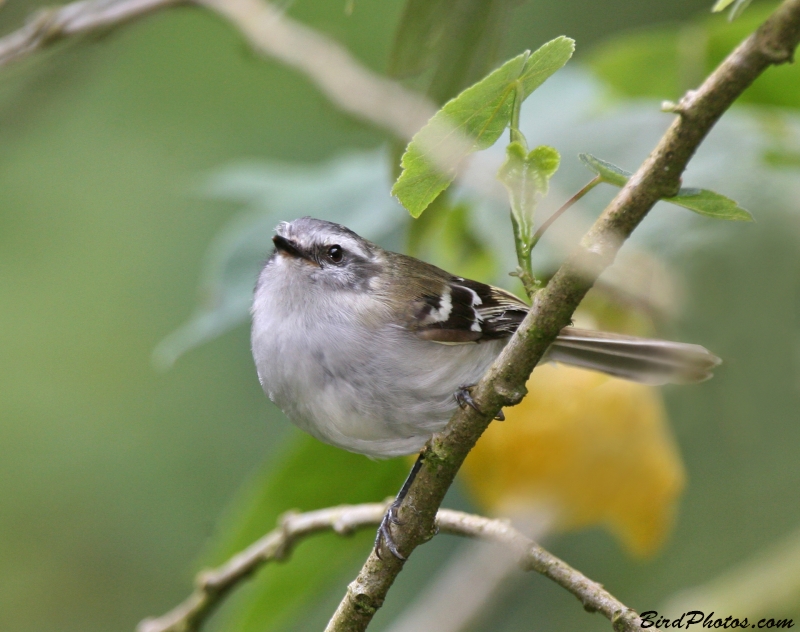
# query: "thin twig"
[213,586]
[533,557]
[349,84]
[472,580]
[504,384]
[77,18]
[564,207]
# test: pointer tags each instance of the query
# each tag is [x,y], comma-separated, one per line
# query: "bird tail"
[637,359]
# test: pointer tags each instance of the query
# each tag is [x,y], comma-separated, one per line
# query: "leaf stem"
[524,270]
[525,248]
[515,134]
[588,187]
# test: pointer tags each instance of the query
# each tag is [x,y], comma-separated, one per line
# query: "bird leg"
[464,398]
[390,517]
[384,535]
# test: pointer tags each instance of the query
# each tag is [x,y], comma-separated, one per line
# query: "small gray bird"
[367,349]
[372,351]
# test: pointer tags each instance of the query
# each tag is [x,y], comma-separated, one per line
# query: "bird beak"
[288,247]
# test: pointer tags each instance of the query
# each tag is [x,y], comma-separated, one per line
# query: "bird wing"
[463,311]
[452,310]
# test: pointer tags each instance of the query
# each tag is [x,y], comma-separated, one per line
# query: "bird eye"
[335,254]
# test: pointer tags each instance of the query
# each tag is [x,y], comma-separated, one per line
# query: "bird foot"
[464,398]
[384,535]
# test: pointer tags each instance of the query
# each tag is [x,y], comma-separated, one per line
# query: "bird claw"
[463,397]
[391,514]
[384,536]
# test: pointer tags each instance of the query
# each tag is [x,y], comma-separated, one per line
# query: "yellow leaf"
[587,449]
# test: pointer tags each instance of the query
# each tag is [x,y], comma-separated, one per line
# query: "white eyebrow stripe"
[348,243]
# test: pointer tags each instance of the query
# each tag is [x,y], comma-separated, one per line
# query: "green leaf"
[527,179]
[710,204]
[311,475]
[608,173]
[473,120]
[700,201]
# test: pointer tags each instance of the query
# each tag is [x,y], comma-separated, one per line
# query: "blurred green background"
[114,476]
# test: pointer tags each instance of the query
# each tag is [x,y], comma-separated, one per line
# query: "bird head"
[315,251]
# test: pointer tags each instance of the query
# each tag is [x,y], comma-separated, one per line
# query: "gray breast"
[376,389]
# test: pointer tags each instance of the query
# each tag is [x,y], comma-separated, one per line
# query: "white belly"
[378,391]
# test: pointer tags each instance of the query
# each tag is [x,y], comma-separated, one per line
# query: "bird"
[373,351]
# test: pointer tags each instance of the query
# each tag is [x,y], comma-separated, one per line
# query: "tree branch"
[504,384]
[349,85]
[213,586]
[345,81]
[77,18]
